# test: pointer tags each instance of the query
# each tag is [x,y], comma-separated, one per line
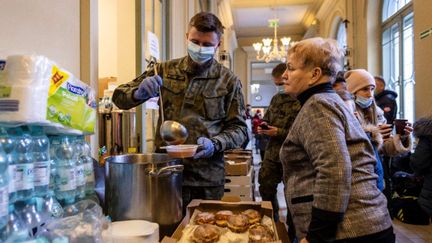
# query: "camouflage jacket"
[281,114]
[209,105]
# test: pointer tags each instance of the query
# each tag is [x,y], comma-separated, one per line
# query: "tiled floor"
[405,233]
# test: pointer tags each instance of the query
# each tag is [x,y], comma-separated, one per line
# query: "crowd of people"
[325,135]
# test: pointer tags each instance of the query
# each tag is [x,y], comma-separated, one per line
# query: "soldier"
[276,123]
[205,97]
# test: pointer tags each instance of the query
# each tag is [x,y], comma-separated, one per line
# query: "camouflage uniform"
[209,105]
[281,113]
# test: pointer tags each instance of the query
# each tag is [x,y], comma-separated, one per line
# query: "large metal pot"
[144,186]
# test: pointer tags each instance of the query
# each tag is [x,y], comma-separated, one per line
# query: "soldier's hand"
[271,131]
[206,150]
[148,88]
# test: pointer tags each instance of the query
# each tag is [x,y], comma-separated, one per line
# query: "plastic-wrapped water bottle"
[88,167]
[42,163]
[79,168]
[21,183]
[4,194]
[15,231]
[65,175]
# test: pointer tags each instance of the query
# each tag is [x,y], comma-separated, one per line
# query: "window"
[390,7]
[341,37]
[398,53]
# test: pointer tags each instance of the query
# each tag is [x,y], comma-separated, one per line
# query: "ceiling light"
[272,52]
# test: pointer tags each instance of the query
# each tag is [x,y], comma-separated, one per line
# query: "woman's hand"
[304,240]
[408,129]
[385,130]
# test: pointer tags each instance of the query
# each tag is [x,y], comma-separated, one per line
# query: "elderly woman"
[327,158]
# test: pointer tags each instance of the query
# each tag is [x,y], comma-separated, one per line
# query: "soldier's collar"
[212,72]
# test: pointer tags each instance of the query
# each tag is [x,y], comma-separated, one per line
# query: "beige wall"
[422,57]
[108,38]
[117,56]
[44,27]
[240,67]
[126,41]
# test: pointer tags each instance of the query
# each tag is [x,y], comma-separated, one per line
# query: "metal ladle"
[172,132]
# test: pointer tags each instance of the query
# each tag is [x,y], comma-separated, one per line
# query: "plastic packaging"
[34,90]
[83,222]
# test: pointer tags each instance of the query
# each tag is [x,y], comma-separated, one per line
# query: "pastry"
[222,217]
[253,216]
[259,233]
[206,233]
[205,218]
[238,223]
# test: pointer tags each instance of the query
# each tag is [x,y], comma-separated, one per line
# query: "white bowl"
[132,231]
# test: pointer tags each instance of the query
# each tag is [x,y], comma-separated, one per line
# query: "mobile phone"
[264,127]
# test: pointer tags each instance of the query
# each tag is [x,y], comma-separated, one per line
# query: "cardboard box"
[237,162]
[245,193]
[237,167]
[210,205]
[103,85]
[240,180]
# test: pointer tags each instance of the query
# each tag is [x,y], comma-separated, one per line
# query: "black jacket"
[386,100]
[421,160]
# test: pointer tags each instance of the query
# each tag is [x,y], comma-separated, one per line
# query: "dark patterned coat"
[281,113]
[329,165]
[421,160]
[209,105]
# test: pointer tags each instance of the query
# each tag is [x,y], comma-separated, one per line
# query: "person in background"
[328,161]
[374,136]
[421,161]
[248,111]
[385,99]
[202,95]
[256,120]
[340,83]
[277,121]
[361,84]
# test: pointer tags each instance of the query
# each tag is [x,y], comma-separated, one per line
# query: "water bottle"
[15,229]
[21,183]
[79,168]
[42,163]
[88,167]
[65,175]
[4,194]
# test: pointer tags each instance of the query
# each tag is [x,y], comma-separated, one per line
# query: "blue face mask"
[363,102]
[280,89]
[200,54]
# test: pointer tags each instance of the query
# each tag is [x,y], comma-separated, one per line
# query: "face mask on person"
[200,54]
[363,102]
[280,89]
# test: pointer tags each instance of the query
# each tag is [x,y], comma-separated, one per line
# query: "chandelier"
[269,52]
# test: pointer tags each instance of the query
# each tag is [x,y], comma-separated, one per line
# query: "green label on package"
[5,91]
[71,102]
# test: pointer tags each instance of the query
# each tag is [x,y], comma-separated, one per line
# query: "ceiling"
[251,17]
